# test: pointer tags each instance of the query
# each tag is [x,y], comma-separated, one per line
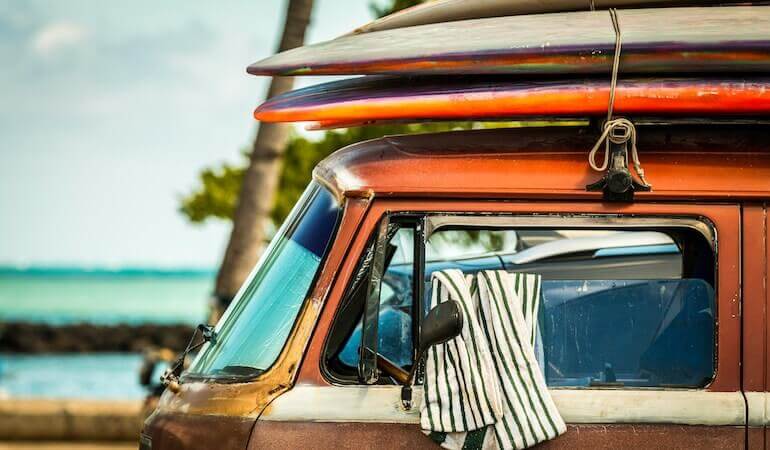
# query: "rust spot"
[276,390]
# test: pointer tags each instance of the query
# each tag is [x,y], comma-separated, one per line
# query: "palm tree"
[261,178]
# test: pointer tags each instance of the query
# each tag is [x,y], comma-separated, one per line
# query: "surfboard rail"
[379,99]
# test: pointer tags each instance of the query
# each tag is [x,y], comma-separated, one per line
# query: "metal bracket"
[618,184]
[406,396]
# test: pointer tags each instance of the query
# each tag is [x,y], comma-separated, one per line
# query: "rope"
[627,132]
[615,62]
[624,127]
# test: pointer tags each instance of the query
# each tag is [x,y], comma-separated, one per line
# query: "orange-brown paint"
[754,283]
[351,436]
[707,163]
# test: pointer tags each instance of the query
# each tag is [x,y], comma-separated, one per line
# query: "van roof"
[693,162]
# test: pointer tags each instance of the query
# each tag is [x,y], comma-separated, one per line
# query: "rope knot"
[617,131]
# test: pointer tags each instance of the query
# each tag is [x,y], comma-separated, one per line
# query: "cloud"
[55,36]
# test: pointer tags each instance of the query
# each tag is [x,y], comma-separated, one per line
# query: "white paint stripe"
[382,404]
[758,403]
[651,406]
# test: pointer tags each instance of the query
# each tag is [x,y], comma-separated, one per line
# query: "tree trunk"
[257,194]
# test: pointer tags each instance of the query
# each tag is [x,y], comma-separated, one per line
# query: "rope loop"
[616,130]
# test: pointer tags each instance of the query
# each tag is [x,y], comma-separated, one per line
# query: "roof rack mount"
[617,184]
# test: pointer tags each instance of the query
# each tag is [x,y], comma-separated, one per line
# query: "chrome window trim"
[436,221]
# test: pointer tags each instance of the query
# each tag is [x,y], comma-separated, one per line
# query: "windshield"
[255,327]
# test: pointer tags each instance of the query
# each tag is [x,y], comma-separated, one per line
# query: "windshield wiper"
[170,377]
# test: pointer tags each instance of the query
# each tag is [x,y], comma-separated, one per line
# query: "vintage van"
[652,329]
[668,291]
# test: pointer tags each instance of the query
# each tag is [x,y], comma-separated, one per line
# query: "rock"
[24,337]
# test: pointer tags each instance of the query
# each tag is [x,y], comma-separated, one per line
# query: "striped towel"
[484,389]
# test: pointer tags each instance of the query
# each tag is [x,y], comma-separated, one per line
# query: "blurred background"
[126,140]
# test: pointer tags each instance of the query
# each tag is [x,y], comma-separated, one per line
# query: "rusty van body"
[699,379]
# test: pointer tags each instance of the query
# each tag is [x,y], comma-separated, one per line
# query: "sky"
[108,111]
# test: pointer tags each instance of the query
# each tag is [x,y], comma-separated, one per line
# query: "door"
[646,292]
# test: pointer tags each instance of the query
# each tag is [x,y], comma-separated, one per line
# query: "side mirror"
[443,323]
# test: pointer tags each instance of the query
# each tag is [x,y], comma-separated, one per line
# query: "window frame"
[376,239]
[435,221]
[713,220]
[292,221]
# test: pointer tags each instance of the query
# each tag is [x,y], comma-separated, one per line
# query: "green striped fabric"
[484,389]
[460,388]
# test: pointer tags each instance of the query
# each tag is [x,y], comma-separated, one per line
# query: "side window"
[396,310]
[619,307]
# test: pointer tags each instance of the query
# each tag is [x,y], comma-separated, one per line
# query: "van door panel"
[598,419]
[344,436]
[314,407]
[198,432]
[384,436]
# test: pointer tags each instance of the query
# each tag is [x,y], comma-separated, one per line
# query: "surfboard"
[450,10]
[664,41]
[378,99]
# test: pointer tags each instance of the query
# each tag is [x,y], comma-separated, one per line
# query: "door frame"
[756,341]
[380,404]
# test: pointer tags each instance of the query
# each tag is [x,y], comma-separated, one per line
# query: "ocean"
[110,376]
[60,296]
[65,296]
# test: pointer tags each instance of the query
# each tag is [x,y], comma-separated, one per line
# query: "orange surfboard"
[377,99]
